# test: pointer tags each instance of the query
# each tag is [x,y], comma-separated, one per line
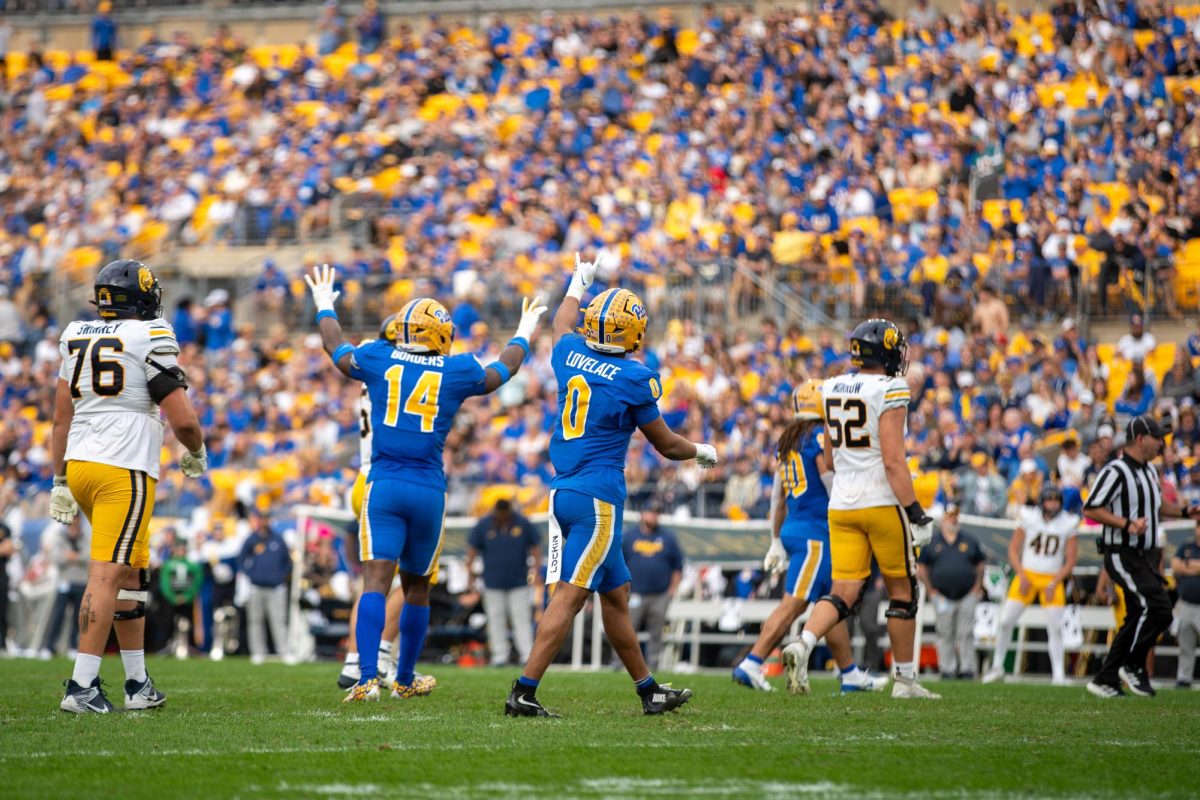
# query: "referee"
[1127,501]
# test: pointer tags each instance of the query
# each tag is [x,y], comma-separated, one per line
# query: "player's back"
[853,405]
[800,473]
[1045,546]
[108,365]
[413,399]
[602,399]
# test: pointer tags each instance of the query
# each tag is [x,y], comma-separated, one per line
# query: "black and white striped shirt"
[1129,489]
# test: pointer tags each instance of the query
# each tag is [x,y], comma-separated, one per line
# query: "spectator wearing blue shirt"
[655,563]
[267,562]
[512,557]
[218,321]
[104,32]
[184,322]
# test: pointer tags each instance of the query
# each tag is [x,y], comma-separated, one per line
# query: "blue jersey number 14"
[422,401]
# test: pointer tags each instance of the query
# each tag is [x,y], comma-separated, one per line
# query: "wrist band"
[343,349]
[521,342]
[327,313]
[502,369]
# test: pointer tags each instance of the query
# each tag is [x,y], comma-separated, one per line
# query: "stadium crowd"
[829,152]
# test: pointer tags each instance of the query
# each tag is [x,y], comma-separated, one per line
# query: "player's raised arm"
[499,372]
[320,283]
[568,310]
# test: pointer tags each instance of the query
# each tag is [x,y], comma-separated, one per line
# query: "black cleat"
[1105,691]
[664,699]
[1137,681]
[91,700]
[524,704]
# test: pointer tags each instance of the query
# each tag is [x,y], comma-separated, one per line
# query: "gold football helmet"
[806,401]
[423,326]
[615,322]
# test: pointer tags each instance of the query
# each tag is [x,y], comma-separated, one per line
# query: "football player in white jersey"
[116,374]
[1042,552]
[873,508]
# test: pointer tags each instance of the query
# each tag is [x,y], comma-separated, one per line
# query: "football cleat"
[664,699]
[421,686]
[992,675]
[349,676]
[142,695]
[91,700]
[909,688]
[863,681]
[522,704]
[1136,681]
[795,667]
[1105,690]
[363,692]
[751,676]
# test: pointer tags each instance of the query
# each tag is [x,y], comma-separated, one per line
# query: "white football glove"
[922,534]
[194,464]
[585,273]
[531,311]
[776,557]
[321,285]
[706,455]
[63,507]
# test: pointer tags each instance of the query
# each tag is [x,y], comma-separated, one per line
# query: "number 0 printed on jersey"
[575,409]
[422,401]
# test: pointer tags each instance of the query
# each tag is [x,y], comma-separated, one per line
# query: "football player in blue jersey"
[800,536]
[415,387]
[602,397]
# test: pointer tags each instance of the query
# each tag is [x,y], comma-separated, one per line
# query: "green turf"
[230,729]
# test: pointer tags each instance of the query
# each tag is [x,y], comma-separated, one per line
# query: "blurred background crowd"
[1018,190]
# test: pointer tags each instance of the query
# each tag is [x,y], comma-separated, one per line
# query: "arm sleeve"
[646,391]
[358,360]
[676,555]
[475,539]
[470,377]
[64,371]
[896,395]
[1106,483]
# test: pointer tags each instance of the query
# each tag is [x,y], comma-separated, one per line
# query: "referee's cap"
[1144,425]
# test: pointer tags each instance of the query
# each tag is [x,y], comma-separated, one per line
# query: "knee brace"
[904,609]
[141,595]
[838,603]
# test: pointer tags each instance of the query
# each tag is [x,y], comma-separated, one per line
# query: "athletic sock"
[368,631]
[528,685]
[809,638]
[850,670]
[753,659]
[135,665]
[351,658]
[414,623]
[87,668]
[646,685]
[906,669]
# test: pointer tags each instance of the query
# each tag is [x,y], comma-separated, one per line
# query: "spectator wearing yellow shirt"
[931,270]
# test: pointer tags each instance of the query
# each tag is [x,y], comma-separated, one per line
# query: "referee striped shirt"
[1129,489]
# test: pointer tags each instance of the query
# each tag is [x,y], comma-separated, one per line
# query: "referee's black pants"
[1147,611]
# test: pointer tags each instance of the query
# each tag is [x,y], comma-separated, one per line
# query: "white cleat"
[750,674]
[795,667]
[992,675]
[863,681]
[143,695]
[909,688]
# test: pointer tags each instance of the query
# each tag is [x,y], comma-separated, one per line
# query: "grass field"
[230,729]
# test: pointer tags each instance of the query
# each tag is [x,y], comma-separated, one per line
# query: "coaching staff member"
[1127,501]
